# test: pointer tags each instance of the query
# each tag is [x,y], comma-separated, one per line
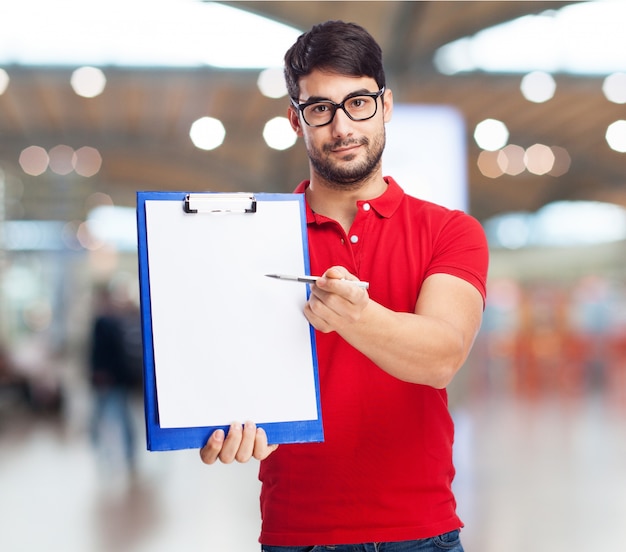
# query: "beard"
[345,174]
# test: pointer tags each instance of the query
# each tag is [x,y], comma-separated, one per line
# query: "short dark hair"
[344,48]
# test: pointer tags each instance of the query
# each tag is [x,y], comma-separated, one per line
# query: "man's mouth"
[343,147]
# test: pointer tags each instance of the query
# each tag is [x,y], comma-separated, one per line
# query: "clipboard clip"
[240,202]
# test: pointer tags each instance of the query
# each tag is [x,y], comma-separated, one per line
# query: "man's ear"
[294,119]
[388,105]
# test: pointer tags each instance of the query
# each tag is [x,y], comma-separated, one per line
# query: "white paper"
[230,344]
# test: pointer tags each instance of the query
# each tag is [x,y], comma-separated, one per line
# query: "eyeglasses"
[358,107]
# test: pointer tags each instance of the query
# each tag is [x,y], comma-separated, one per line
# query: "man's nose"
[342,124]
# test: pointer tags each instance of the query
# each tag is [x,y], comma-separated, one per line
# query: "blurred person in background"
[113,375]
[381,480]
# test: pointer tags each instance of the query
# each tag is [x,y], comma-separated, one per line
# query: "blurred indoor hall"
[96,105]
[543,473]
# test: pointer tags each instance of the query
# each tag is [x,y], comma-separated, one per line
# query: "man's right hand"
[240,444]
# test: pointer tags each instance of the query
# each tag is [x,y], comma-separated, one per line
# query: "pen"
[313,279]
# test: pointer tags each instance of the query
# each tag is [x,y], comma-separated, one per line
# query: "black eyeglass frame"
[302,106]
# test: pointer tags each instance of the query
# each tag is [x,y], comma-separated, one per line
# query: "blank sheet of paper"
[229,343]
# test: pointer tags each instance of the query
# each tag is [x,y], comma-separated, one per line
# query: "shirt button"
[354,239]
[366,206]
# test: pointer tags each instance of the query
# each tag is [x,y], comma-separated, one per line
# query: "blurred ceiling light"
[88,82]
[34,160]
[113,226]
[61,159]
[616,136]
[69,235]
[33,235]
[87,161]
[4,81]
[207,133]
[153,33]
[488,164]
[538,86]
[511,159]
[491,134]
[579,222]
[614,88]
[512,230]
[539,159]
[20,283]
[98,199]
[561,223]
[278,134]
[86,239]
[579,38]
[271,82]
[562,161]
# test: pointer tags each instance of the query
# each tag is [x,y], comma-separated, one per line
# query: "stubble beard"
[345,175]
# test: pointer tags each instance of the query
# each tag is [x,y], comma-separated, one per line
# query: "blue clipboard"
[222,342]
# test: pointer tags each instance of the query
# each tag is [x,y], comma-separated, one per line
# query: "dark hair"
[344,48]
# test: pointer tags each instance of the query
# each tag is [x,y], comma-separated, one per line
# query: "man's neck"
[341,204]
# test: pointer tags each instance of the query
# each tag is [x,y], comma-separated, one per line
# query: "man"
[111,370]
[381,479]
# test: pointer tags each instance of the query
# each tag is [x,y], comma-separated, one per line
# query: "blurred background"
[513,111]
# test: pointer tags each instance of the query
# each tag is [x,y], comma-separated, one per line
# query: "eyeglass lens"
[357,108]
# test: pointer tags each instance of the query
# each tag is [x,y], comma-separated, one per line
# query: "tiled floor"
[541,476]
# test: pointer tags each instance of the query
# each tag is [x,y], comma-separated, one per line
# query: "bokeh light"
[87,161]
[34,160]
[207,133]
[61,159]
[511,159]
[538,86]
[86,238]
[488,164]
[491,134]
[88,82]
[562,161]
[69,235]
[539,159]
[278,134]
[616,136]
[4,81]
[614,88]
[98,199]
[271,82]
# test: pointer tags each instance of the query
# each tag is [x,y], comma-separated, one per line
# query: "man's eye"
[358,103]
[319,108]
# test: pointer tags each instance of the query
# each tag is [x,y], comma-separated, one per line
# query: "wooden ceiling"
[140,123]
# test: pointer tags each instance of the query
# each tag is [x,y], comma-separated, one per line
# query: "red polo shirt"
[384,470]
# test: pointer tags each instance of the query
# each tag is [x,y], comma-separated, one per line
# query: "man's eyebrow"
[359,92]
[317,99]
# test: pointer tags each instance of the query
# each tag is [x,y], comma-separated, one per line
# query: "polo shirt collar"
[385,205]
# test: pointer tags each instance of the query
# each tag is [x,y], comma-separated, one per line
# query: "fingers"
[336,280]
[336,273]
[246,446]
[210,452]
[240,444]
[333,274]
[334,303]
[261,449]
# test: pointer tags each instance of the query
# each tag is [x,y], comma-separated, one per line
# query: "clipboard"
[221,341]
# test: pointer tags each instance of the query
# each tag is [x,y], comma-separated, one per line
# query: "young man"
[382,478]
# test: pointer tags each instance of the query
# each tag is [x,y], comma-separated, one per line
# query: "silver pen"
[313,279]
